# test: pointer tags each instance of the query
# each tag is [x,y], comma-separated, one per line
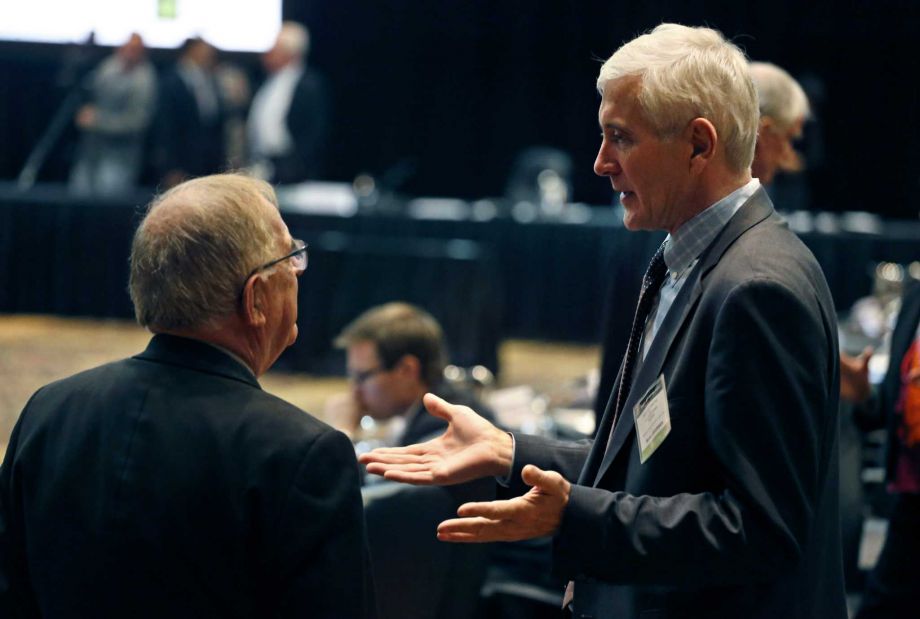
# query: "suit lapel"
[598,448]
[754,211]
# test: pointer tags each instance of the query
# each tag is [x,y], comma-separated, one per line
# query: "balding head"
[194,248]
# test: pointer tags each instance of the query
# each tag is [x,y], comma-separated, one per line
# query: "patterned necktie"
[651,283]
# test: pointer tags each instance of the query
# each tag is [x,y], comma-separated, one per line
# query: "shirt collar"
[288,73]
[689,241]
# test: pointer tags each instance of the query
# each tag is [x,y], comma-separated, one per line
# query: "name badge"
[653,419]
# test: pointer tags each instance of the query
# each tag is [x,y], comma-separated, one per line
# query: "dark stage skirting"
[484,280]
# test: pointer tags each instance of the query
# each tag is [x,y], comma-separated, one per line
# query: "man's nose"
[598,164]
[605,165]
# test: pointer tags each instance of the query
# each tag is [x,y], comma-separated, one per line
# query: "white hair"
[294,38]
[688,73]
[780,96]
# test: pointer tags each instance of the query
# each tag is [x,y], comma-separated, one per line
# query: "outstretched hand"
[470,448]
[537,513]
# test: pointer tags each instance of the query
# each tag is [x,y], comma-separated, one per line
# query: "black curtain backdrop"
[439,97]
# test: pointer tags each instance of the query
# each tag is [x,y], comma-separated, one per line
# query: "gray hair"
[194,248]
[294,38]
[780,96]
[688,73]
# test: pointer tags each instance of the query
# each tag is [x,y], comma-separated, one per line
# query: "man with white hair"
[288,120]
[169,484]
[783,110]
[711,487]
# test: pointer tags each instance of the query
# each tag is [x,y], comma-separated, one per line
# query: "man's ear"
[255,294]
[703,139]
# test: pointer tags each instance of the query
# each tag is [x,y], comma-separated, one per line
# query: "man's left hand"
[536,514]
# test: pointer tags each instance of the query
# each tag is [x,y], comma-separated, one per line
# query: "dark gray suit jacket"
[735,515]
[171,485]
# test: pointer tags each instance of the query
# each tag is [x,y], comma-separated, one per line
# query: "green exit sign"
[166,9]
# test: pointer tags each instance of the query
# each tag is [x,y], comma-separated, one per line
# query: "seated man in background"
[169,484]
[783,111]
[395,355]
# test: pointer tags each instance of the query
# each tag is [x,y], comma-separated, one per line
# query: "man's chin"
[631,223]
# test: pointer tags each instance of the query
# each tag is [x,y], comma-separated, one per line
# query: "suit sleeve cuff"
[505,480]
[581,532]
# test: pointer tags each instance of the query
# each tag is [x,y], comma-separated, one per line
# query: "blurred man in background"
[169,484]
[783,111]
[288,121]
[395,355]
[189,136]
[114,123]
[893,586]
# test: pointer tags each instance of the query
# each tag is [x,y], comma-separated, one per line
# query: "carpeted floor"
[35,350]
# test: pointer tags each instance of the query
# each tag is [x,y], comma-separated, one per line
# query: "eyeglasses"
[298,257]
[362,376]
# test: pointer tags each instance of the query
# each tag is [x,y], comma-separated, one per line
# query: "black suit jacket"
[735,515]
[308,123]
[184,140]
[171,485]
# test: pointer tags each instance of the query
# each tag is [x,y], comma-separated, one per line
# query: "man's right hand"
[470,448]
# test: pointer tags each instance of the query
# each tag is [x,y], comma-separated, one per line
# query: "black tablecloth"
[484,280]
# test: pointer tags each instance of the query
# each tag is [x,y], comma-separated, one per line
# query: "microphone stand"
[52,133]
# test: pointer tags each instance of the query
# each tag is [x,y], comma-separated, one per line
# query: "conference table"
[487,270]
